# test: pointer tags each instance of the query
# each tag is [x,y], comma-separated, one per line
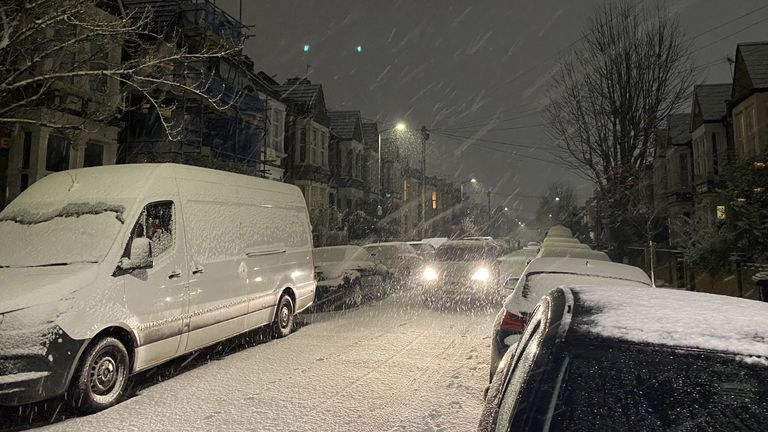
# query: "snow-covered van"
[108,271]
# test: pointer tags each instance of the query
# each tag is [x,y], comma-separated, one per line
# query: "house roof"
[679,126]
[343,123]
[371,134]
[755,55]
[300,91]
[712,100]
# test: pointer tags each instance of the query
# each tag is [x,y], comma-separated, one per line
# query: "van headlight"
[430,274]
[481,275]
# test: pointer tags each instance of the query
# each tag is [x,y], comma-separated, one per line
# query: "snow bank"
[677,318]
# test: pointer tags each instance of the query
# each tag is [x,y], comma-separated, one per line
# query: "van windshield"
[58,235]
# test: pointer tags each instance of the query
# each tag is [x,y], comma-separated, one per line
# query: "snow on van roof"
[591,267]
[569,252]
[569,240]
[674,318]
[558,245]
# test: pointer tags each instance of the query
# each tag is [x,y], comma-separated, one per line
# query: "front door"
[157,297]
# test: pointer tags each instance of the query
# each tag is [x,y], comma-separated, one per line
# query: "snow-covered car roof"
[569,252]
[568,240]
[559,231]
[674,318]
[556,245]
[400,247]
[590,267]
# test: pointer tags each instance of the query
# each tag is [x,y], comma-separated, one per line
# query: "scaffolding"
[235,135]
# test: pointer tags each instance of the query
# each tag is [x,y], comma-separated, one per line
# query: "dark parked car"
[641,359]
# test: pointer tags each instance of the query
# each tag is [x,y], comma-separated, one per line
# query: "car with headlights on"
[616,358]
[462,271]
[347,275]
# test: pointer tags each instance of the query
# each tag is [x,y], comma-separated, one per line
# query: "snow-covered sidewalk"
[387,366]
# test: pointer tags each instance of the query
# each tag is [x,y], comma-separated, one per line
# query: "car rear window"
[621,387]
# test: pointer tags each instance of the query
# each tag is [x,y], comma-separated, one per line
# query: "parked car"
[402,260]
[512,266]
[571,252]
[626,359]
[545,274]
[348,275]
[425,250]
[484,239]
[463,271]
[116,269]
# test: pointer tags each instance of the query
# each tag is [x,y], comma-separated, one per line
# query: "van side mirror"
[140,259]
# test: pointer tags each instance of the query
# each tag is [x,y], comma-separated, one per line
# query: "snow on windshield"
[72,233]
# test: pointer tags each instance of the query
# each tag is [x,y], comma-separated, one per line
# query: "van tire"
[283,324]
[102,376]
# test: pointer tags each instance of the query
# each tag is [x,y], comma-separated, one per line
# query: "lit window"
[405,189]
[434,199]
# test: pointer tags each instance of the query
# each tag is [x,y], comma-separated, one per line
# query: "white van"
[108,271]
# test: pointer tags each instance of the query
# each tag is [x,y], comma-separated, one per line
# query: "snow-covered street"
[392,365]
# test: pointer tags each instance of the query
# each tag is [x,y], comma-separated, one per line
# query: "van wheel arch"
[290,293]
[121,334]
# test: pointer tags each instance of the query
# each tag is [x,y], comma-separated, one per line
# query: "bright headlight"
[481,275]
[430,274]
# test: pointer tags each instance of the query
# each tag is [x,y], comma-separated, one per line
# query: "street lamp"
[461,187]
[400,127]
[557,198]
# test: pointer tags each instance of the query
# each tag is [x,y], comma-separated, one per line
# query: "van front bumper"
[32,377]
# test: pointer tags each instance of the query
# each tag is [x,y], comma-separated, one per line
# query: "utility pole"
[423,185]
[490,216]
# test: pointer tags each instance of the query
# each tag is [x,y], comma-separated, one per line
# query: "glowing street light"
[557,198]
[401,126]
[461,187]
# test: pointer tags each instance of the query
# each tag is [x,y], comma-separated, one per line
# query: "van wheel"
[101,377]
[283,324]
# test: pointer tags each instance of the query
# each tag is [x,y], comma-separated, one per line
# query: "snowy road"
[387,366]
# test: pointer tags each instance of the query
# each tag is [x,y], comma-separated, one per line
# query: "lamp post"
[423,204]
[400,126]
[461,188]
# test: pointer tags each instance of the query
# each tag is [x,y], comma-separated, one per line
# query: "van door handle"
[250,254]
[174,274]
[198,270]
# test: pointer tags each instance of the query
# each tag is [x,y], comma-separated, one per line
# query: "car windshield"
[350,205]
[465,253]
[59,235]
[616,387]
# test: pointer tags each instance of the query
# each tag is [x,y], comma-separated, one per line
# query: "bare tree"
[559,205]
[53,49]
[609,97]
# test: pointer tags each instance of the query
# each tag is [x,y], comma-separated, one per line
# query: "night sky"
[455,66]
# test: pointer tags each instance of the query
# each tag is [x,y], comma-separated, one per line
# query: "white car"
[464,271]
[348,274]
[116,269]
[542,276]
[399,257]
[425,250]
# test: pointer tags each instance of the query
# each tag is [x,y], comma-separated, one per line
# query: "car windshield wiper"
[53,264]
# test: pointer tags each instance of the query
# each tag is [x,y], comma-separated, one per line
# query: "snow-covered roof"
[588,267]
[570,252]
[559,231]
[673,318]
[563,245]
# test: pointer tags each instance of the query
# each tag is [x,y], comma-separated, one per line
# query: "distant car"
[425,250]
[572,252]
[402,260]
[435,241]
[485,239]
[348,275]
[463,270]
[545,274]
[512,266]
[625,359]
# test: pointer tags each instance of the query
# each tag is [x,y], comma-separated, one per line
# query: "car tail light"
[512,322]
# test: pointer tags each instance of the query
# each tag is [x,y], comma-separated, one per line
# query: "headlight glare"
[430,274]
[481,275]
